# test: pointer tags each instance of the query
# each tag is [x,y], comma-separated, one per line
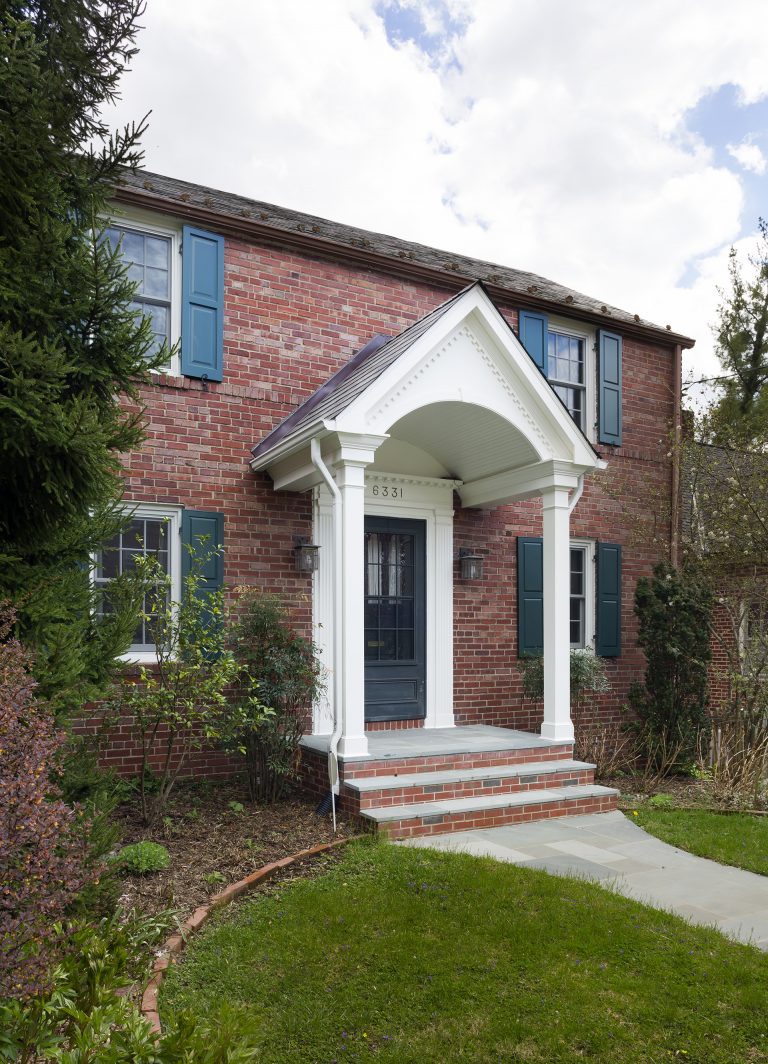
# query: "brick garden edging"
[173,946]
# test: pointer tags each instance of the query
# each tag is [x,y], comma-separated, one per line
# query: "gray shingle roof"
[518,284]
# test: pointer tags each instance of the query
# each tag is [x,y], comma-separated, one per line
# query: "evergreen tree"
[741,339]
[71,350]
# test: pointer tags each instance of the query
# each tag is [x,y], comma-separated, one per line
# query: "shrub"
[97,792]
[143,858]
[42,855]
[674,611]
[178,704]
[279,670]
[86,1017]
[587,674]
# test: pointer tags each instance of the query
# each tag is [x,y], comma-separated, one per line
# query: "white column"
[557,658]
[350,476]
[323,582]
[440,636]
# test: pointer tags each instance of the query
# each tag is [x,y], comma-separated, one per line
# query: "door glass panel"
[389,583]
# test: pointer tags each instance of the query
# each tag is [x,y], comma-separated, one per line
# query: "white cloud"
[749,156]
[556,144]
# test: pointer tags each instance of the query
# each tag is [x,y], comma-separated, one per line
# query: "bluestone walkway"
[609,848]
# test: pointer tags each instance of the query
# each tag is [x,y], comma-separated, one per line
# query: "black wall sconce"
[470,564]
[306,555]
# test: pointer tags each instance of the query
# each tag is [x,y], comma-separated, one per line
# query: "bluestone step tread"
[461,775]
[494,801]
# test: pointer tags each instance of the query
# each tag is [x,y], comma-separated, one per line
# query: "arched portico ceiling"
[457,387]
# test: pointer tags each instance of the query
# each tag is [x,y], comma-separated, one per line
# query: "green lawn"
[417,956]
[734,839]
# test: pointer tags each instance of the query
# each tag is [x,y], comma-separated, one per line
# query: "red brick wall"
[290,322]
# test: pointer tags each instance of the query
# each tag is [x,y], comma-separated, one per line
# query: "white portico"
[453,404]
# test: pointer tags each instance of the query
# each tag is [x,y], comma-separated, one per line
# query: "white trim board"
[425,499]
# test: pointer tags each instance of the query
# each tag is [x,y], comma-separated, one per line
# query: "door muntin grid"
[389,596]
[394,636]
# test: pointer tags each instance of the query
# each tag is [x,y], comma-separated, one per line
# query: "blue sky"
[723,118]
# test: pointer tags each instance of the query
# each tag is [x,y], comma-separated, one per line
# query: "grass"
[734,839]
[416,956]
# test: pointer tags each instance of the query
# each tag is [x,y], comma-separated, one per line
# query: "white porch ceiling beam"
[515,484]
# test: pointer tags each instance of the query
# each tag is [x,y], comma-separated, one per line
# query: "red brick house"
[416,416]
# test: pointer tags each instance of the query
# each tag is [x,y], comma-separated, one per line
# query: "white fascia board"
[293,469]
[288,447]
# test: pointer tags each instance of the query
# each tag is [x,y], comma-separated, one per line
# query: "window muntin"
[578,598]
[148,256]
[389,596]
[566,373]
[144,536]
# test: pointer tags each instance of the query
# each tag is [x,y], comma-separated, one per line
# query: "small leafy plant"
[178,704]
[279,670]
[587,674]
[143,858]
[86,1017]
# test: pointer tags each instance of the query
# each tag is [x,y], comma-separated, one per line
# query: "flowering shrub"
[42,852]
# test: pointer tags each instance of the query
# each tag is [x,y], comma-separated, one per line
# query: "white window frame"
[149,224]
[589,337]
[590,589]
[172,514]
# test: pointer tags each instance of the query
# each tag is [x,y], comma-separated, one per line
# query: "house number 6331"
[385,492]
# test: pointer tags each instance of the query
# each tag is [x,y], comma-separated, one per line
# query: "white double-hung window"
[582,594]
[152,531]
[151,253]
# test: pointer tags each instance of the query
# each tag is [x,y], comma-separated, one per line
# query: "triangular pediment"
[458,385]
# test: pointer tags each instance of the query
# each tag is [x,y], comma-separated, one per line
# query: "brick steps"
[371,792]
[535,751]
[464,814]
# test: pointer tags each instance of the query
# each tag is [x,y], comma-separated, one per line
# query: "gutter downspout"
[333,746]
[677,433]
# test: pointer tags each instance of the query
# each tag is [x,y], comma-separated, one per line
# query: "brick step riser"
[416,795]
[494,818]
[351,770]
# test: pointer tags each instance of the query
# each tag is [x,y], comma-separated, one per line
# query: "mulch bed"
[212,842]
[687,792]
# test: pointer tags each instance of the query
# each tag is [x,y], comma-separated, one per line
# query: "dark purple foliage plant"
[42,849]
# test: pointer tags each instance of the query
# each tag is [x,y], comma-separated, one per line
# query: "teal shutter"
[609,388]
[530,596]
[533,330]
[202,310]
[609,600]
[204,532]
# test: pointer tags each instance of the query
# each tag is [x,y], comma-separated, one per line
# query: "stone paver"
[613,851]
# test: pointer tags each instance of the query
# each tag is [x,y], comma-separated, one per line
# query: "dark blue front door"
[395,653]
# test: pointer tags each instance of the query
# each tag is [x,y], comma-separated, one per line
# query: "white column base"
[353,746]
[558,732]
